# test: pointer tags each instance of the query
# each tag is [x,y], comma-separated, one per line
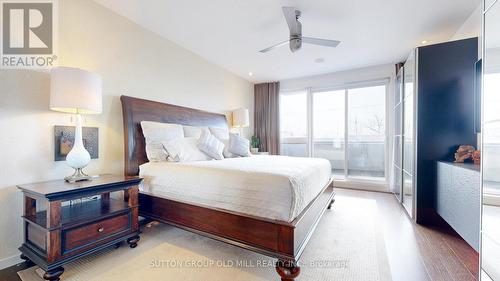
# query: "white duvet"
[272,187]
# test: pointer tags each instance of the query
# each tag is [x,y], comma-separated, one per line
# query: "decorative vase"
[78,158]
[254,150]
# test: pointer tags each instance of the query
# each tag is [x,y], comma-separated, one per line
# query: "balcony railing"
[366,158]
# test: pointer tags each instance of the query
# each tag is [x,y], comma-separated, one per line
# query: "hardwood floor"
[415,252]
[10,273]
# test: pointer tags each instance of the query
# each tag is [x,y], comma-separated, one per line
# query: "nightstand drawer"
[82,236]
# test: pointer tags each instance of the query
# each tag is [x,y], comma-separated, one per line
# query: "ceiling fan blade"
[274,46]
[291,19]
[321,42]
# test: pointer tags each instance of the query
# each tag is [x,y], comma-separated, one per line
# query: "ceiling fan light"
[292,19]
[295,44]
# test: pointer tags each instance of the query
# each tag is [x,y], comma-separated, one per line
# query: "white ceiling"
[229,33]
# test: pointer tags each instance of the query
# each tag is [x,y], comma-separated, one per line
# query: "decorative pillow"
[239,146]
[184,150]
[220,133]
[226,152]
[223,135]
[156,132]
[211,145]
[193,131]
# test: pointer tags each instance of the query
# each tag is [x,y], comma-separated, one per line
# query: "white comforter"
[273,187]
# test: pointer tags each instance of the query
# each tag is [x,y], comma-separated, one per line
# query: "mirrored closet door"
[397,152]
[490,229]
[408,133]
[402,180]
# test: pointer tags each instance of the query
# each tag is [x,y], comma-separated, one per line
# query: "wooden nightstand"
[63,228]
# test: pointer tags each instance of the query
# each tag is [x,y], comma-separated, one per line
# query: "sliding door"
[329,129]
[408,134]
[346,126]
[397,142]
[366,148]
[490,154]
[293,124]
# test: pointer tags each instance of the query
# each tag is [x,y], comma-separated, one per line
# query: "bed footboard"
[282,240]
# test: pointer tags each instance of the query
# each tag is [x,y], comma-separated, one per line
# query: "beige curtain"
[266,116]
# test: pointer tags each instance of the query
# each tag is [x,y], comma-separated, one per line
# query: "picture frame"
[64,137]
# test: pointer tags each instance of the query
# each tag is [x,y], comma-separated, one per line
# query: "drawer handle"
[101,229]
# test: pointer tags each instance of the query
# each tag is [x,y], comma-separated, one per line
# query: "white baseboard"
[362,185]
[10,261]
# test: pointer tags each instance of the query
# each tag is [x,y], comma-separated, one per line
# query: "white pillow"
[223,135]
[155,133]
[211,145]
[220,133]
[239,146]
[193,131]
[184,150]
[226,152]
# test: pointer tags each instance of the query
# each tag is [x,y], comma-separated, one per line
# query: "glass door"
[366,132]
[293,124]
[490,154]
[345,125]
[408,134]
[355,116]
[329,129]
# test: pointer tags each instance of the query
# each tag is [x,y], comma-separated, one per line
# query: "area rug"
[345,246]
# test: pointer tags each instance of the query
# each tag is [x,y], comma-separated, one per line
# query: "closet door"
[490,229]
[397,164]
[408,133]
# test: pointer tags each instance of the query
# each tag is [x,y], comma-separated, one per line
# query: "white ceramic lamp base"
[78,158]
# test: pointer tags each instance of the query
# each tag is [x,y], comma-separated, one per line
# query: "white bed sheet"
[272,187]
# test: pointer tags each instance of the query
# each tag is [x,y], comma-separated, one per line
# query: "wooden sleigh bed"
[278,239]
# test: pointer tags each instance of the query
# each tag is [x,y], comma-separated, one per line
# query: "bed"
[273,211]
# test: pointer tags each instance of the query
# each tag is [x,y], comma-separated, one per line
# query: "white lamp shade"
[241,118]
[74,90]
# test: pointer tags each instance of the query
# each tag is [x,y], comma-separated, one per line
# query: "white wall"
[132,61]
[471,27]
[340,78]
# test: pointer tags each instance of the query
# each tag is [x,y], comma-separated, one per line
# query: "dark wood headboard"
[136,110]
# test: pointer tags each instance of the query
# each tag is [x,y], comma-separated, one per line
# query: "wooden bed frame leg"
[288,270]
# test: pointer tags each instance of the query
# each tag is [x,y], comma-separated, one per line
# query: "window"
[293,123]
[491,134]
[320,123]
[329,128]
[366,149]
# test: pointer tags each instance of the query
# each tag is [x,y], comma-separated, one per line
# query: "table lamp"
[241,118]
[78,92]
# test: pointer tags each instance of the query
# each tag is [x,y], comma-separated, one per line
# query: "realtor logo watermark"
[29,30]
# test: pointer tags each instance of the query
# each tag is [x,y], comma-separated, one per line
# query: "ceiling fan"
[296,39]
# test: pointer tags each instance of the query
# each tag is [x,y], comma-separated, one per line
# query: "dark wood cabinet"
[65,221]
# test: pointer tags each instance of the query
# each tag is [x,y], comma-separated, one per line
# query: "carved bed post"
[288,270]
